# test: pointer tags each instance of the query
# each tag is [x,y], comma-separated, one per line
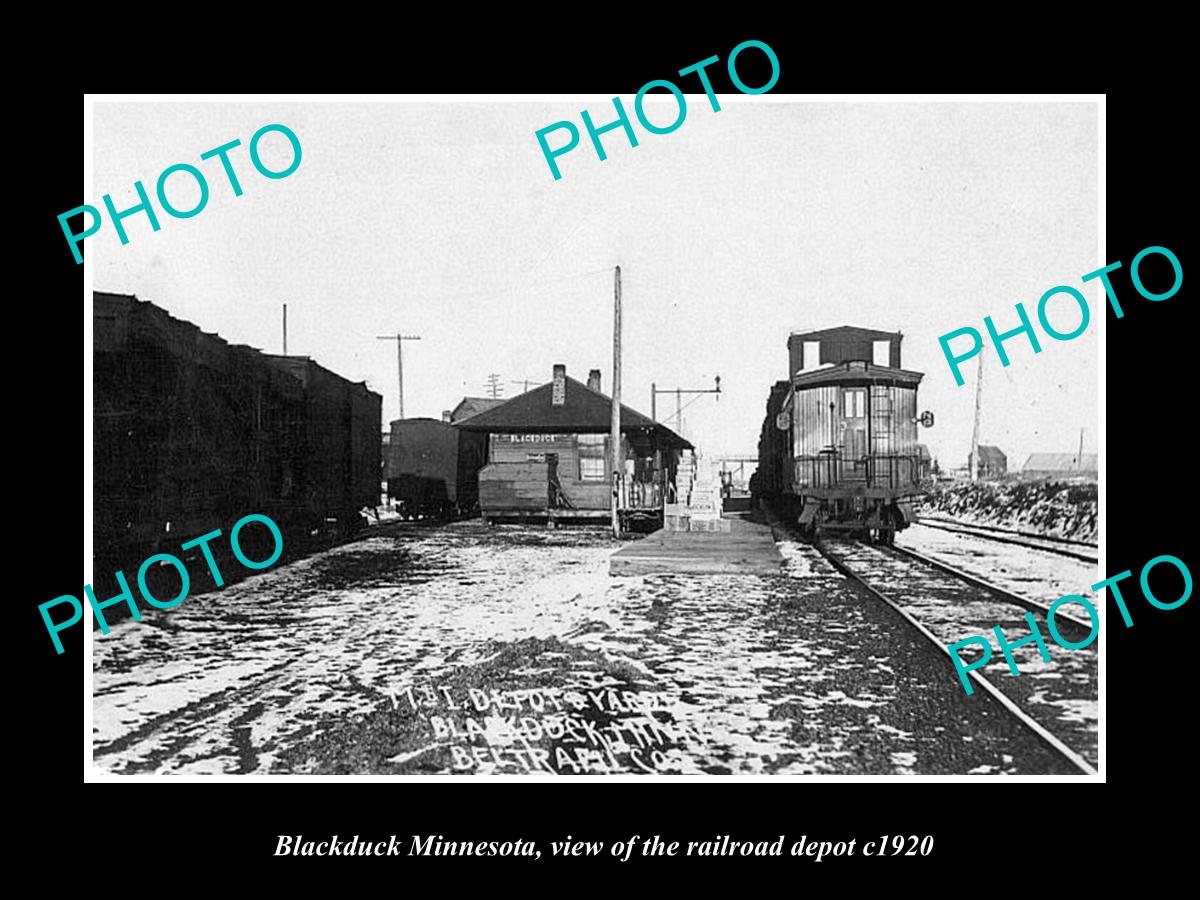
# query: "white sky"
[443,220]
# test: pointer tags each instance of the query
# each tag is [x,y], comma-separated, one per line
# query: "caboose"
[846,456]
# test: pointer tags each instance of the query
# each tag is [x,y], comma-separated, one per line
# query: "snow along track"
[1059,546]
[1056,701]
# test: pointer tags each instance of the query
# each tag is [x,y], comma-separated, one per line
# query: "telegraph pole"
[618,467]
[524,381]
[285,329]
[399,339]
[678,392]
[493,385]
[973,462]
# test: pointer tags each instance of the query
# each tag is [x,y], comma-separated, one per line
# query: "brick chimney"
[447,415]
[594,379]
[559,397]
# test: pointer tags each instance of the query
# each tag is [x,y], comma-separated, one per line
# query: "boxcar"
[339,447]
[774,451]
[190,433]
[433,468]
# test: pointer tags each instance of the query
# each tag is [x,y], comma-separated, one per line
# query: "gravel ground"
[467,649]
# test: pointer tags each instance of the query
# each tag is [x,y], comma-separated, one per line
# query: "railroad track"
[946,605]
[1060,546]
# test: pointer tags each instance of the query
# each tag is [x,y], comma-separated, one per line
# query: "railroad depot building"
[549,456]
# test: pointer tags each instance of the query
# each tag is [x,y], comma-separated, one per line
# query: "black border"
[1148,494]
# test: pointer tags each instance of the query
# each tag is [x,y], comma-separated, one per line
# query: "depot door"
[854,431]
[553,487]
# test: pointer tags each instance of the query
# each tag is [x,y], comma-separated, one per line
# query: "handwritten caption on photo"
[501,727]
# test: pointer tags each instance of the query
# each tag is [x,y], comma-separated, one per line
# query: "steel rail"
[1084,628]
[970,531]
[986,686]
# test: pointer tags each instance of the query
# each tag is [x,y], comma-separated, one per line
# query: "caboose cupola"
[809,350]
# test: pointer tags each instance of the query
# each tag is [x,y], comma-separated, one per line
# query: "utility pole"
[524,381]
[399,339]
[285,329]
[618,466]
[678,392]
[1079,458]
[493,385]
[973,460]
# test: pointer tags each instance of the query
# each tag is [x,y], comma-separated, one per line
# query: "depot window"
[591,457]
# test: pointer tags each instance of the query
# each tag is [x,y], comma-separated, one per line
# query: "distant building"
[549,455]
[470,406]
[991,462]
[1060,465]
[924,462]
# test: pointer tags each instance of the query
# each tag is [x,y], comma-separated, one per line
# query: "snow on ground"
[468,649]
[1065,508]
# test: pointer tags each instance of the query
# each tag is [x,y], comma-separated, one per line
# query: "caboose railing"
[829,469]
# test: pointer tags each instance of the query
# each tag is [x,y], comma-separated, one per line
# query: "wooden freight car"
[190,433]
[432,468]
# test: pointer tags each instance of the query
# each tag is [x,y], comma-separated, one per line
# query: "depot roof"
[583,411]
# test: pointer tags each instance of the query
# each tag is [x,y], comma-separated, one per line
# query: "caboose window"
[854,403]
[812,355]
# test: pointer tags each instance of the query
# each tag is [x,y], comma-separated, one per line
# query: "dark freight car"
[190,433]
[433,468]
[774,450]
[340,446]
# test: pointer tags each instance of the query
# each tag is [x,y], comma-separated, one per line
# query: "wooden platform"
[747,549]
